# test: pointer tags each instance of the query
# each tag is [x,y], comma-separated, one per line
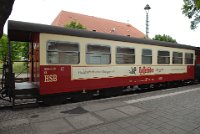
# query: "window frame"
[124,54]
[173,57]
[163,56]
[100,45]
[142,55]
[60,51]
[188,58]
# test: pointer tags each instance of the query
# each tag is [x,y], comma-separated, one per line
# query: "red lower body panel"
[58,79]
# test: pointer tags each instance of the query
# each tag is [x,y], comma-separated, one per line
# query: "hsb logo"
[50,78]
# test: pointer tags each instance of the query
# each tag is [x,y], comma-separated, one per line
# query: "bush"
[18,67]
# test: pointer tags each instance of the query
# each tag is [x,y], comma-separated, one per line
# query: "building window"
[189,58]
[146,56]
[62,52]
[98,54]
[163,57]
[125,55]
[177,58]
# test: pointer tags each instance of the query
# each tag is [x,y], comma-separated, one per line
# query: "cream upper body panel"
[83,42]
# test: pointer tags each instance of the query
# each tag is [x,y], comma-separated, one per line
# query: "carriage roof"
[22,31]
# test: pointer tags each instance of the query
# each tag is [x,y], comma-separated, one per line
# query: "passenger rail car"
[66,61]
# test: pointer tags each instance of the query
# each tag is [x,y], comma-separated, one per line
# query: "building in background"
[97,24]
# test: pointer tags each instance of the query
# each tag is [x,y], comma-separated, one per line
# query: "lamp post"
[147,8]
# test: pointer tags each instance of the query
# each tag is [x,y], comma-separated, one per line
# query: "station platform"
[168,111]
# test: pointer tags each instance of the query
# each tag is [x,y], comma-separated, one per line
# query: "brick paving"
[171,114]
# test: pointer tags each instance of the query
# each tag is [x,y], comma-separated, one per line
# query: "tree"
[3,47]
[75,25]
[165,38]
[5,11]
[19,49]
[191,9]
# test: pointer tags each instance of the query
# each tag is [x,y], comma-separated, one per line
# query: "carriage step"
[21,80]
[25,105]
[25,85]
[25,96]
[26,88]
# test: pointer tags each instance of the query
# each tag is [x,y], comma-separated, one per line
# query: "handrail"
[21,61]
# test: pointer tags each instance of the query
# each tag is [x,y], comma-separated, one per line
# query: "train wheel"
[164,85]
[82,96]
[111,92]
[179,83]
[144,87]
[167,85]
[53,100]
[157,86]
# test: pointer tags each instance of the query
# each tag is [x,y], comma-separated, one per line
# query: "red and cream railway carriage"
[67,61]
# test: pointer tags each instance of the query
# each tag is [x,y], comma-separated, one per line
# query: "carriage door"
[34,61]
[197,65]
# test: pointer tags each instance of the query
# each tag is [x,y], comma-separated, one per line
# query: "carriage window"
[188,58]
[177,58]
[125,55]
[146,56]
[97,54]
[163,57]
[62,53]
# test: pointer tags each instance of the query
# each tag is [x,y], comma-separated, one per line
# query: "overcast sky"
[165,16]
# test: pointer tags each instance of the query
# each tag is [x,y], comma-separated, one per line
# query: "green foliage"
[74,25]
[19,49]
[191,9]
[18,67]
[165,38]
[3,47]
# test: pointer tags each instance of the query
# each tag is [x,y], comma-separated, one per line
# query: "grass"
[18,67]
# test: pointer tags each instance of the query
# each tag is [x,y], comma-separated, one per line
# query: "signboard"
[121,71]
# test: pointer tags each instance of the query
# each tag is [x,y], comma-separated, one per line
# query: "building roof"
[97,24]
